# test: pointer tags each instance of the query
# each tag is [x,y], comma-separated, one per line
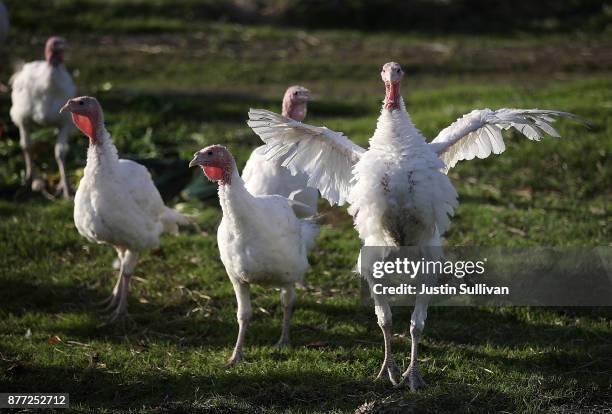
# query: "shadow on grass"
[288,385]
[227,390]
[159,320]
[479,326]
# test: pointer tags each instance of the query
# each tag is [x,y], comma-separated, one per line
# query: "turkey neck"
[395,133]
[294,110]
[101,156]
[57,75]
[236,202]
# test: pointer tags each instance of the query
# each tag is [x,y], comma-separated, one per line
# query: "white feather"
[39,90]
[268,177]
[260,238]
[479,133]
[117,203]
[325,156]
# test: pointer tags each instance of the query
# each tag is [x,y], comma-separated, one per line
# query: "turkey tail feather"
[171,220]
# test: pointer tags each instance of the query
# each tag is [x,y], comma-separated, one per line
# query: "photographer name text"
[446,289]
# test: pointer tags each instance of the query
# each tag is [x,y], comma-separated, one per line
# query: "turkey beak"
[65,107]
[195,161]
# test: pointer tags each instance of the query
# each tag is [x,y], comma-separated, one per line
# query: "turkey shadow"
[481,326]
[155,320]
[93,386]
[587,368]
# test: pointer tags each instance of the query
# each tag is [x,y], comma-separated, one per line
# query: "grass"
[173,90]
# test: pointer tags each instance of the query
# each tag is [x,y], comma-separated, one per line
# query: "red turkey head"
[294,102]
[216,162]
[392,75]
[54,50]
[86,115]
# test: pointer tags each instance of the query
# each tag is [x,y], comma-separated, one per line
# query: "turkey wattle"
[116,202]
[39,89]
[267,177]
[260,240]
[398,191]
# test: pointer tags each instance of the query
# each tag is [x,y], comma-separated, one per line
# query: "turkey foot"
[389,367]
[283,343]
[119,299]
[107,303]
[412,376]
[237,356]
[120,313]
[64,189]
[111,301]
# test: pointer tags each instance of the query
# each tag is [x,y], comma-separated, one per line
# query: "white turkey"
[40,89]
[4,24]
[116,202]
[398,191]
[267,177]
[260,240]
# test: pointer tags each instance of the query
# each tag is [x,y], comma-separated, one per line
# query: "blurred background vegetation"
[423,16]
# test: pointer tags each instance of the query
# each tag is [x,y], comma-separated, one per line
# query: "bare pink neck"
[392,95]
[229,166]
[295,111]
[54,59]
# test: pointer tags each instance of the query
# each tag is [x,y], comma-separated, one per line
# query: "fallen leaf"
[54,340]
[517,231]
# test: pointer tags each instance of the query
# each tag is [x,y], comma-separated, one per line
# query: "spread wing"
[479,133]
[326,156]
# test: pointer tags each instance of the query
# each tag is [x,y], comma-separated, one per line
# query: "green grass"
[172,91]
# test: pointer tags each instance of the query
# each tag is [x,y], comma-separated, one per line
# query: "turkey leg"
[128,264]
[61,149]
[417,323]
[287,296]
[243,315]
[111,301]
[383,313]
[26,146]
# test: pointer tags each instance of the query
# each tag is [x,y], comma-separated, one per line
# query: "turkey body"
[117,203]
[266,177]
[400,197]
[39,90]
[255,249]
[261,240]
